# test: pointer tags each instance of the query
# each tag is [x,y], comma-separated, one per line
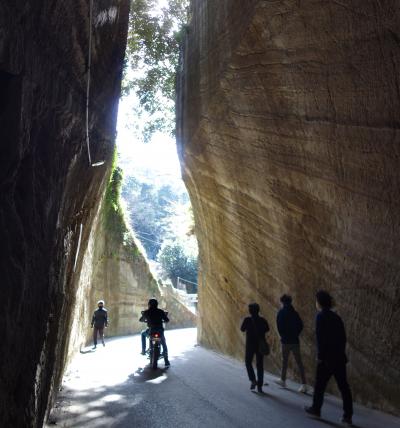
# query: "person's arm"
[344,333]
[244,325]
[93,319]
[280,323]
[143,317]
[266,326]
[321,334]
[106,319]
[300,323]
[343,337]
[165,316]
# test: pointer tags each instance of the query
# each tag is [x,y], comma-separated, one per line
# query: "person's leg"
[260,369]
[101,334]
[341,380]
[285,359]
[144,337]
[95,336]
[299,362]
[165,349]
[249,364]
[321,381]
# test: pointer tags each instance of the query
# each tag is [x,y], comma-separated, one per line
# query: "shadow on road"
[114,388]
[147,374]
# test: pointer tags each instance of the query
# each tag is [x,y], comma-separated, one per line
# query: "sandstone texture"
[47,189]
[289,140]
[115,270]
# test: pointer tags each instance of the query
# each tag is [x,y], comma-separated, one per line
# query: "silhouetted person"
[332,360]
[99,322]
[255,328]
[290,326]
[154,318]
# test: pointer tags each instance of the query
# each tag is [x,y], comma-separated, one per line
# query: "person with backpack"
[99,323]
[255,327]
[290,326]
[331,357]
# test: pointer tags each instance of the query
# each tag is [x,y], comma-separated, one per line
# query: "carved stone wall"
[47,188]
[288,128]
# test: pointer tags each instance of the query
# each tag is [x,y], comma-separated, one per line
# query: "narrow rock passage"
[113,387]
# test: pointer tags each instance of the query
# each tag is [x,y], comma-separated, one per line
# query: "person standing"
[255,328]
[99,322]
[290,326]
[332,360]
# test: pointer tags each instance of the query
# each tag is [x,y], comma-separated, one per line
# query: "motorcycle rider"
[155,318]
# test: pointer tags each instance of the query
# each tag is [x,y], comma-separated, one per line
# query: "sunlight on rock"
[106,16]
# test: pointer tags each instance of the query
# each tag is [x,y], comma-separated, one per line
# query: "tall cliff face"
[47,189]
[289,141]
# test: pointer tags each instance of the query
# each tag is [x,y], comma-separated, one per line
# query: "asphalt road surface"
[114,387]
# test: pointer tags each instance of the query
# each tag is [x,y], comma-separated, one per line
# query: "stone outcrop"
[288,129]
[115,270]
[47,188]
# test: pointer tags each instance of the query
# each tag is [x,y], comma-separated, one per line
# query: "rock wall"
[47,188]
[288,129]
[115,270]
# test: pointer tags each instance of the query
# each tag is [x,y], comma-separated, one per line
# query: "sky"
[159,156]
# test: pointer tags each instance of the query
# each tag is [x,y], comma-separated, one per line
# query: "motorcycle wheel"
[155,355]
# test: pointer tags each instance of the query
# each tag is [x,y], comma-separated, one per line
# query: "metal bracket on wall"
[78,247]
[89,64]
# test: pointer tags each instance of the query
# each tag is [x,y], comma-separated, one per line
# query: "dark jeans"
[144,334]
[100,331]
[324,373]
[249,356]
[295,349]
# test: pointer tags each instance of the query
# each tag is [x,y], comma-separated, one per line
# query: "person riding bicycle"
[155,318]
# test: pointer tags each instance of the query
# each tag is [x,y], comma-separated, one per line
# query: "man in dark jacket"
[255,328]
[155,317]
[99,322]
[331,347]
[290,326]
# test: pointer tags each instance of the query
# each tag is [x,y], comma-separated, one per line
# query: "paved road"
[112,387]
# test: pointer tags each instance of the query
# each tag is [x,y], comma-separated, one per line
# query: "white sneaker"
[303,389]
[281,383]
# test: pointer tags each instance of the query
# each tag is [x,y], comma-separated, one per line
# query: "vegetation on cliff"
[114,219]
[178,261]
[113,213]
[162,220]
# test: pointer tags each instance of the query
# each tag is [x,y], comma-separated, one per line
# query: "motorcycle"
[155,348]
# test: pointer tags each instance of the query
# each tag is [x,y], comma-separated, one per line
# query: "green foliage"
[114,217]
[176,262]
[154,38]
[113,213]
[150,209]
